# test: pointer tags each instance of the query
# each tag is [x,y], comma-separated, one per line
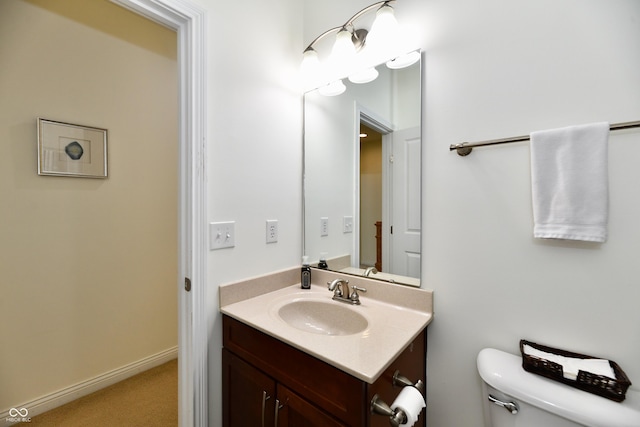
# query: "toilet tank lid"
[504,372]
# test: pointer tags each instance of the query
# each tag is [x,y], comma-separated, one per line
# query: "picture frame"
[65,149]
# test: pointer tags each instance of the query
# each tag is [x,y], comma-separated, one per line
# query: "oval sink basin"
[320,317]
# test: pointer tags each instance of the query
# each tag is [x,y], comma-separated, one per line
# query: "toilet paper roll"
[411,402]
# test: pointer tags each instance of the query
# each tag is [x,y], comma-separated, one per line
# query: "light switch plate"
[222,235]
[347,224]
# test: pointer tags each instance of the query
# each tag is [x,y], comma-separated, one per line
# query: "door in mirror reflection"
[390,189]
[371,178]
[404,238]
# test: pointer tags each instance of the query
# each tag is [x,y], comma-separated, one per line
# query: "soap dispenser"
[323,261]
[305,277]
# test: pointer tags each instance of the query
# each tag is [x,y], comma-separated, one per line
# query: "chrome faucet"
[336,287]
[340,289]
[370,270]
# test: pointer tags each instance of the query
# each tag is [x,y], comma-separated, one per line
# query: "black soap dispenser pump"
[323,261]
[305,276]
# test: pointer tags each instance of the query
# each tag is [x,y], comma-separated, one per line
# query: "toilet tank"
[544,402]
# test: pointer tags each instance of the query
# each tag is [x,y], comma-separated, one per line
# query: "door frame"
[382,125]
[189,23]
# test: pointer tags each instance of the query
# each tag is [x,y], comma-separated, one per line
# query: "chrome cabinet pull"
[265,397]
[512,407]
[278,407]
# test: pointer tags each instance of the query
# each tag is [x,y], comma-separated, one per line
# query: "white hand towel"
[570,184]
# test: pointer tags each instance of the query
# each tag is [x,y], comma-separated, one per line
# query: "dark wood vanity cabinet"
[268,383]
[251,398]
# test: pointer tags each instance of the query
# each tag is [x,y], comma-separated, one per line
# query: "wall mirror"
[362,194]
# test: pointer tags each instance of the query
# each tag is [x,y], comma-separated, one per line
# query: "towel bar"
[465,148]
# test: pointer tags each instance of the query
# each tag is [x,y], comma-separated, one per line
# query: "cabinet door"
[411,363]
[248,395]
[327,387]
[294,411]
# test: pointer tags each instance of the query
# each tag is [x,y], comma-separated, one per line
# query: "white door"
[405,224]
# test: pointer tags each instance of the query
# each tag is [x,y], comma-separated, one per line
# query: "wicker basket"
[614,389]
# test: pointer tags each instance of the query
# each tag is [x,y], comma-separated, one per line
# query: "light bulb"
[310,68]
[384,30]
[310,65]
[343,49]
[342,56]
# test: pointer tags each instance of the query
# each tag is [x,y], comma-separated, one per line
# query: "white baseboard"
[76,391]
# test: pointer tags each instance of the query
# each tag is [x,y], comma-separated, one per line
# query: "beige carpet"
[147,399]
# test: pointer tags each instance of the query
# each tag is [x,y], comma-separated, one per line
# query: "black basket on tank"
[614,389]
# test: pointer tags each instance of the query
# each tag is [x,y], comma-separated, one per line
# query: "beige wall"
[88,268]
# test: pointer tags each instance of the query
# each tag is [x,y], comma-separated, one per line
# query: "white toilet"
[514,397]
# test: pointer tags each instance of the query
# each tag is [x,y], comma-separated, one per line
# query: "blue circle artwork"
[74,150]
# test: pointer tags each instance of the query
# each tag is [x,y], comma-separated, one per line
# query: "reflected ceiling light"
[355,51]
[333,88]
[365,76]
[404,61]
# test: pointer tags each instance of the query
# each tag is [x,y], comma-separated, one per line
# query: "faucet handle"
[355,297]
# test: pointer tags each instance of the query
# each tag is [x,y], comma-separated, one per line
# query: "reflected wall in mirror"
[362,194]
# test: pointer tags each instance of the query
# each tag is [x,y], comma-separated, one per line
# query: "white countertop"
[365,355]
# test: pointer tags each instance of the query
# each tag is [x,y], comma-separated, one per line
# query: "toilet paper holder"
[380,407]
[401,381]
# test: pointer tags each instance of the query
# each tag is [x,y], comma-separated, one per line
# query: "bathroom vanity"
[267,382]
[277,373]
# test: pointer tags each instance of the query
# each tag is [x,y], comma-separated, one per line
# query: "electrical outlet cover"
[324,226]
[272,230]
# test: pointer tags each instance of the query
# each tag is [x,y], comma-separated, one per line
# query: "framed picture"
[71,150]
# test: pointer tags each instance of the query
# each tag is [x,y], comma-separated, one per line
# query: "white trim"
[189,22]
[387,199]
[84,388]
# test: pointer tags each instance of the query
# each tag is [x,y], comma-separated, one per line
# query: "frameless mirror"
[362,193]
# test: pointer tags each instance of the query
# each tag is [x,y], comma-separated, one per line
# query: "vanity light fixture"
[356,52]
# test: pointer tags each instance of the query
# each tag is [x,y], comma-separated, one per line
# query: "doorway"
[373,168]
[370,197]
[388,205]
[82,236]
[189,23]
